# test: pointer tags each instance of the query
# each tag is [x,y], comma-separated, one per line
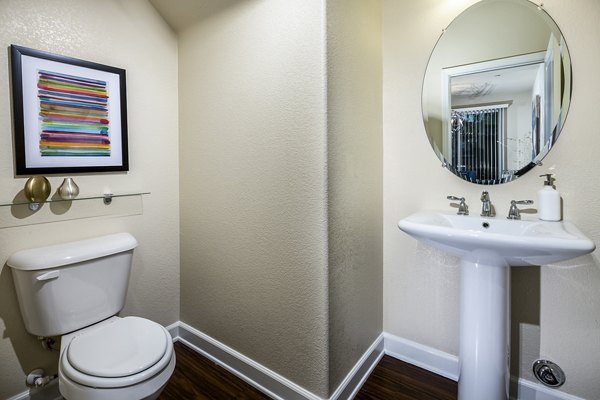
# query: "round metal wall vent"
[549,373]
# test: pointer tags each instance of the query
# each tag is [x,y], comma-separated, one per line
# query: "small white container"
[549,203]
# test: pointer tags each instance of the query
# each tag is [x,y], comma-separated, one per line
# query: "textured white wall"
[131,35]
[281,182]
[355,161]
[555,308]
[252,162]
[253,184]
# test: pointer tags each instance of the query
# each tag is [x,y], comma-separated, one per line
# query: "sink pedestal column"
[484,348]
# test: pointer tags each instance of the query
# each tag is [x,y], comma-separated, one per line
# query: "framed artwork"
[70,115]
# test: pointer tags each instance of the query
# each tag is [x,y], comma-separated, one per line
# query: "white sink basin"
[519,242]
[486,247]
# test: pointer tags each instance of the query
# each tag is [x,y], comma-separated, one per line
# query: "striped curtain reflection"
[478,135]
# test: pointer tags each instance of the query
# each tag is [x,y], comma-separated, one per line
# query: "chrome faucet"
[513,211]
[487,210]
[463,209]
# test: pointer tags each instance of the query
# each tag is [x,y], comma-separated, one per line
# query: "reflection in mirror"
[497,90]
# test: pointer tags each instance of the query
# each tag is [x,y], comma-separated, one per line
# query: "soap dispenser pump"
[549,207]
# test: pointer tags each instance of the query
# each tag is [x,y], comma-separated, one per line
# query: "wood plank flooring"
[393,379]
[197,378]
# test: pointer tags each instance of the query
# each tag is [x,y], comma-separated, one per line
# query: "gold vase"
[37,189]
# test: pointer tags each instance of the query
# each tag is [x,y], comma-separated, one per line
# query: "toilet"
[74,290]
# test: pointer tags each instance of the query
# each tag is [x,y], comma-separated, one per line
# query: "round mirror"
[497,90]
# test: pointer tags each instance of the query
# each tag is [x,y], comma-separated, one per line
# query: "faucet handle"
[463,208]
[513,211]
[521,201]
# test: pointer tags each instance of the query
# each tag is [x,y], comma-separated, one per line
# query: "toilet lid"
[125,347]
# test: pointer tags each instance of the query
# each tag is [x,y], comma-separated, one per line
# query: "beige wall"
[131,35]
[354,148]
[555,307]
[265,174]
[281,183]
[253,184]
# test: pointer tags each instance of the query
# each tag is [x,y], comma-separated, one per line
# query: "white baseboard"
[173,330]
[357,376]
[446,365]
[522,389]
[278,387]
[426,357]
[269,382]
[255,374]
[48,392]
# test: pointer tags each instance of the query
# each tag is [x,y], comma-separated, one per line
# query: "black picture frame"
[69,115]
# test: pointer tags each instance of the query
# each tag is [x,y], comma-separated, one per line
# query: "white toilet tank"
[65,287]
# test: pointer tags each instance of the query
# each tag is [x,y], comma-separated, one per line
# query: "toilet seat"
[122,352]
[126,347]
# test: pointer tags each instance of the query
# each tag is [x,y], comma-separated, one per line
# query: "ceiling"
[180,14]
[506,81]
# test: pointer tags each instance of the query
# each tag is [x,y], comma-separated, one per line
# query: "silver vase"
[68,190]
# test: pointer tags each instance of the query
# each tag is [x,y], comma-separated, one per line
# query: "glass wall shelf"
[22,212]
[106,198]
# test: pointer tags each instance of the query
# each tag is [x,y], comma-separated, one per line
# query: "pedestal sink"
[487,247]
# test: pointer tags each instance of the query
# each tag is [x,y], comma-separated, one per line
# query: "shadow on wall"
[525,297]
[526,302]
[20,209]
[27,348]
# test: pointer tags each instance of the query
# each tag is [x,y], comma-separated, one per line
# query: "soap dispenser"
[549,201]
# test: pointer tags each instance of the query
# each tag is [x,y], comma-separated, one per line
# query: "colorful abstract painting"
[74,118]
[69,115]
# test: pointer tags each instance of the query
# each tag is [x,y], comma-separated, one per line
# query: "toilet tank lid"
[70,253]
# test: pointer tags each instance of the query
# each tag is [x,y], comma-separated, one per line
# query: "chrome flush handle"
[463,208]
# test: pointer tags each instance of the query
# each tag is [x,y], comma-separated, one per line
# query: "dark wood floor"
[197,378]
[393,379]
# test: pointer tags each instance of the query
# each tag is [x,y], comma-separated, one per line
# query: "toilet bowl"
[74,290]
[119,358]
